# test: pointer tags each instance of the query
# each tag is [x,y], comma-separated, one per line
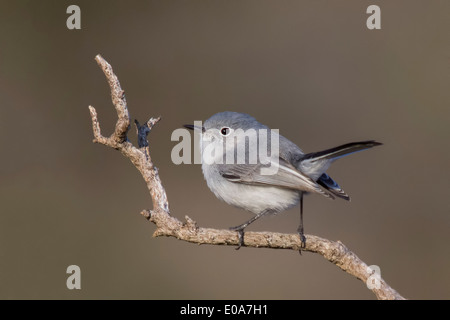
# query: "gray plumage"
[243,185]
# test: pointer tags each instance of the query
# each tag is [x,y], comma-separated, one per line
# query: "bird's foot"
[240,231]
[302,241]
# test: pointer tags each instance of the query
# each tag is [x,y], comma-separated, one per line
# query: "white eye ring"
[225,131]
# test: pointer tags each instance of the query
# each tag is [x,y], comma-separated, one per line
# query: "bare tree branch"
[167,225]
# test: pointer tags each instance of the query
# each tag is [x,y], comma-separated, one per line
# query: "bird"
[243,185]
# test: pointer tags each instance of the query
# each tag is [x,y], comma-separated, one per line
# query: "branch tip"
[152,121]
[147,214]
[190,223]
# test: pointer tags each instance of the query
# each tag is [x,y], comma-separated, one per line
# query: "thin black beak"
[192,127]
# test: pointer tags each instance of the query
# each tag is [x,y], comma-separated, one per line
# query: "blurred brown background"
[310,68]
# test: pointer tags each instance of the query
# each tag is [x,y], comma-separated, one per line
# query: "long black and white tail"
[340,151]
[332,154]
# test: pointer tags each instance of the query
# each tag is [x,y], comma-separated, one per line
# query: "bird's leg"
[240,228]
[300,227]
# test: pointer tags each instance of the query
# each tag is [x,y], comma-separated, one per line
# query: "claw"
[240,234]
[240,228]
[241,238]
[302,241]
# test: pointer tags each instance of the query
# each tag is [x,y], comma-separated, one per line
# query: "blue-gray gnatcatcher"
[241,182]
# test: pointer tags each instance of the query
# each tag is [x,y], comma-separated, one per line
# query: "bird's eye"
[225,131]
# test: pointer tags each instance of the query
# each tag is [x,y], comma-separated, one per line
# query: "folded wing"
[285,177]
